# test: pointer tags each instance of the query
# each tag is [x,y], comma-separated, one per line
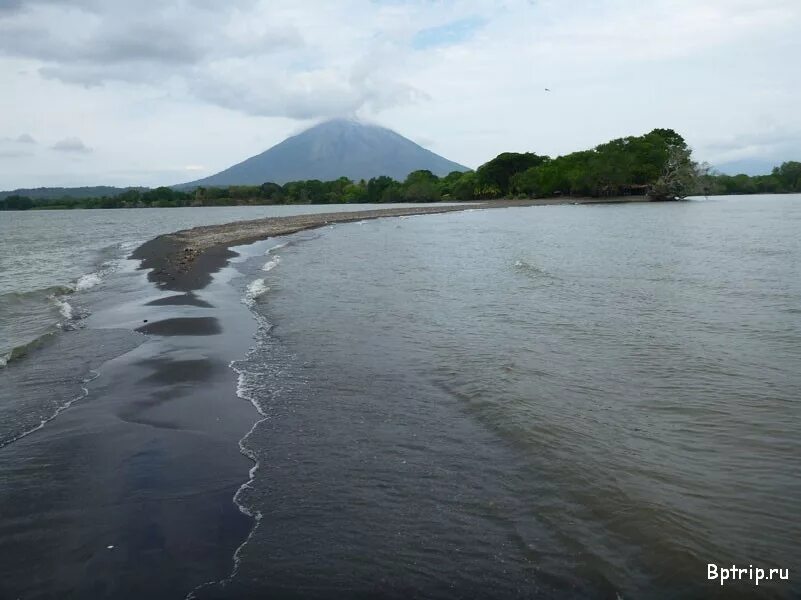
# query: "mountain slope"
[331,150]
[751,167]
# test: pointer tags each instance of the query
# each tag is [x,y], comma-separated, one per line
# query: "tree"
[377,186]
[355,193]
[16,202]
[679,172]
[272,192]
[421,186]
[465,187]
[789,176]
[495,176]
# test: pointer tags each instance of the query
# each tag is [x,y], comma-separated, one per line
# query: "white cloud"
[176,82]
[71,145]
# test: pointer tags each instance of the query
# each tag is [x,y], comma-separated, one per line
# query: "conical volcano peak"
[341,147]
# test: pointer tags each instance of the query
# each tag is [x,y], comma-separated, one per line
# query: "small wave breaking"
[254,291]
[88,281]
[532,270]
[60,409]
[276,248]
[271,264]
[64,307]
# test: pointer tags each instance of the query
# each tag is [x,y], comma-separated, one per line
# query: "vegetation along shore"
[658,164]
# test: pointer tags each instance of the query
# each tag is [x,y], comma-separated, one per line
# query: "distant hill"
[754,166]
[331,150]
[56,193]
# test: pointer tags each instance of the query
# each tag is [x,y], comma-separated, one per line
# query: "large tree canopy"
[495,176]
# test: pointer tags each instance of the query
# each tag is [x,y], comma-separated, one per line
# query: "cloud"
[72,145]
[184,82]
[8,6]
[447,34]
[17,147]
[276,60]
[96,43]
[24,138]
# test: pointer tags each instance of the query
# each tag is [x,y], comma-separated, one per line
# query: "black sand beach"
[129,493]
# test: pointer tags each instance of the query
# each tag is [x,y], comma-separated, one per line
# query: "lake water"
[564,401]
[46,257]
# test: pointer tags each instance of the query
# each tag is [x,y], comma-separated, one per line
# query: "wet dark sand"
[129,493]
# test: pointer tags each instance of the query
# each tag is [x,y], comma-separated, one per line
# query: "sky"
[158,92]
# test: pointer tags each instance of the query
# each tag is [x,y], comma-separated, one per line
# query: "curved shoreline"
[185,260]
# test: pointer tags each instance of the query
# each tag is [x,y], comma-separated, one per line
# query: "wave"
[39,294]
[532,271]
[61,315]
[255,289]
[276,248]
[88,281]
[22,350]
[270,265]
[64,307]
[110,260]
[60,409]
[65,314]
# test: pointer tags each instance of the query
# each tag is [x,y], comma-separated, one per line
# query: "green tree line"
[784,179]
[658,164]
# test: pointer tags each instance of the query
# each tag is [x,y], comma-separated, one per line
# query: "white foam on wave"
[4,358]
[121,251]
[271,264]
[88,281]
[130,246]
[64,307]
[276,248]
[255,289]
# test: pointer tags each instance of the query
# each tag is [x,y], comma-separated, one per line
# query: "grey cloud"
[305,95]
[7,6]
[24,138]
[122,31]
[115,45]
[72,145]
[772,145]
[191,43]
[277,100]
[768,138]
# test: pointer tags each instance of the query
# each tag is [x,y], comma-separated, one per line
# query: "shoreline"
[185,260]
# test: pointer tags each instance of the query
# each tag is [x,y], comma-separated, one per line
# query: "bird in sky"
[547,90]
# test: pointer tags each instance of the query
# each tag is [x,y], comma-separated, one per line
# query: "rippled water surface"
[588,401]
[47,256]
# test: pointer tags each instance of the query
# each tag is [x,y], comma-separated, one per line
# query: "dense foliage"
[657,164]
[784,179]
